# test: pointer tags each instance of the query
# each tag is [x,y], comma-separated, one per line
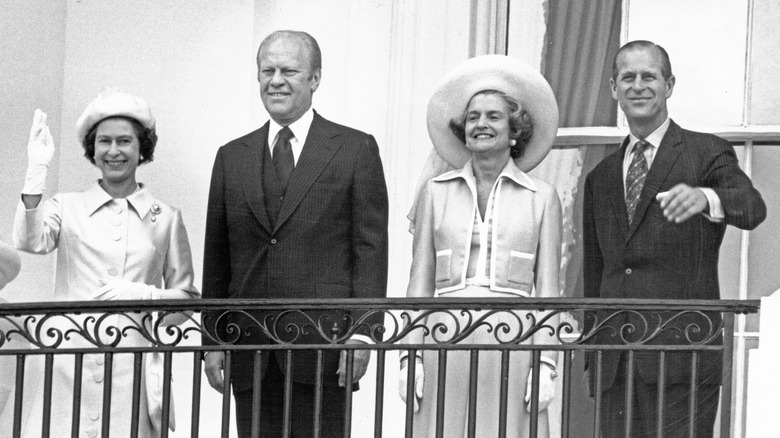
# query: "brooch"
[155,210]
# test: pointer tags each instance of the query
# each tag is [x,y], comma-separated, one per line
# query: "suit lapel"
[253,170]
[315,156]
[665,157]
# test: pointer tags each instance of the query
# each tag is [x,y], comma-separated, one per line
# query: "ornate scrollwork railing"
[634,324]
[83,328]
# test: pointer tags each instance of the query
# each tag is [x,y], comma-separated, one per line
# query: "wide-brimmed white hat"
[493,72]
[113,102]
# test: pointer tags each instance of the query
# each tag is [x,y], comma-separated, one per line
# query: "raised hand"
[40,147]
[40,150]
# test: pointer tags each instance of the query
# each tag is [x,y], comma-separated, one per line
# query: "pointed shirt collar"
[653,139]
[299,128]
[510,171]
[141,200]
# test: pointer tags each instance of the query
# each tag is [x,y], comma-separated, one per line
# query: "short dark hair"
[147,140]
[315,55]
[666,64]
[521,128]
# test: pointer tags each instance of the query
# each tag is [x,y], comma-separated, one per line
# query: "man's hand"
[359,364]
[682,202]
[215,364]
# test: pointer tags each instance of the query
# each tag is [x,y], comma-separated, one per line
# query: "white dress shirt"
[300,130]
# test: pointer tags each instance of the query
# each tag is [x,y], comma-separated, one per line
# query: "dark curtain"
[581,41]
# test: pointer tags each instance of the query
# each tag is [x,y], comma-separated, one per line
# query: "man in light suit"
[297,209]
[684,188]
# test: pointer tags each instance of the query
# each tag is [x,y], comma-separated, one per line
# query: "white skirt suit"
[514,251]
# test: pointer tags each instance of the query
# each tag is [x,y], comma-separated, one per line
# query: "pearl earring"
[512,142]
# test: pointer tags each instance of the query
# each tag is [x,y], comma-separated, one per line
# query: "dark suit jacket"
[654,258]
[329,239]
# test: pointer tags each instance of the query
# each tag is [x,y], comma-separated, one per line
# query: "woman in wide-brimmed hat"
[486,230]
[114,241]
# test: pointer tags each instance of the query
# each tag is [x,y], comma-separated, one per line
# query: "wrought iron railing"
[168,328]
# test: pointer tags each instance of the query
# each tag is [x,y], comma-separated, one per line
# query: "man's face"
[640,88]
[286,80]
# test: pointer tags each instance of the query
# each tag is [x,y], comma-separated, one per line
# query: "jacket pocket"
[521,268]
[443,261]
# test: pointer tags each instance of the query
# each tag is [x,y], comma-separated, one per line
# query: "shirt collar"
[299,128]
[510,171]
[95,197]
[141,200]
[653,139]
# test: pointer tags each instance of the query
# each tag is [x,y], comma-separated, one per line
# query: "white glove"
[40,150]
[126,290]
[419,381]
[546,388]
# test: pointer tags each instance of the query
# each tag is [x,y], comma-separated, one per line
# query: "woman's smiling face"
[487,125]
[117,150]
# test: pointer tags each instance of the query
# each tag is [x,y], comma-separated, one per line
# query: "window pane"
[764,277]
[706,43]
[765,98]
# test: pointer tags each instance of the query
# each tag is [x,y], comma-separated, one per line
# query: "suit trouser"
[301,408]
[645,408]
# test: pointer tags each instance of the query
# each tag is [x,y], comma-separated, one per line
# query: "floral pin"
[155,210]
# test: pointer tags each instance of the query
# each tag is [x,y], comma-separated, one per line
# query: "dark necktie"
[284,163]
[635,178]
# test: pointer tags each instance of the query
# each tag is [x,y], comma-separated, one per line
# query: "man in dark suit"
[654,217]
[297,209]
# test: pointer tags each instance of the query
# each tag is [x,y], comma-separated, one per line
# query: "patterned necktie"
[284,163]
[635,178]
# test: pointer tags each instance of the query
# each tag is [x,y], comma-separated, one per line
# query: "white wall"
[32,46]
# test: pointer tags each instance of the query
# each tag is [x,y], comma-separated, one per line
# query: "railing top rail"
[731,306]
